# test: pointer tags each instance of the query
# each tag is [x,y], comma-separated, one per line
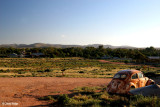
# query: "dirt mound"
[105,61]
[151,90]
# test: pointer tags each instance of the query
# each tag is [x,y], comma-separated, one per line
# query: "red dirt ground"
[25,91]
[105,61]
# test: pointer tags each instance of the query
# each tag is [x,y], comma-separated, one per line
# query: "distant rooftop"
[154,57]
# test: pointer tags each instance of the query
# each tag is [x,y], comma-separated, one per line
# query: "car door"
[142,80]
[135,80]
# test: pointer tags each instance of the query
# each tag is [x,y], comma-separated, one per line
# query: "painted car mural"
[126,80]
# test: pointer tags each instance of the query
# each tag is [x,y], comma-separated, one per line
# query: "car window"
[120,76]
[135,76]
[123,76]
[117,76]
[140,75]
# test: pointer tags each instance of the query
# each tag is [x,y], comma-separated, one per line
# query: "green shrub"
[118,103]
[21,72]
[86,90]
[1,71]
[126,61]
[48,70]
[104,96]
[4,71]
[82,97]
[86,103]
[40,71]
[34,74]
[142,101]
[47,98]
[63,99]
[81,71]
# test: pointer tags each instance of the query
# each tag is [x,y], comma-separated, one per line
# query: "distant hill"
[43,45]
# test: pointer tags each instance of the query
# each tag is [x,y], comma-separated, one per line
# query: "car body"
[126,80]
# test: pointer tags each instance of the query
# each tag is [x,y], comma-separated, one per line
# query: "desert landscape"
[34,85]
[80,53]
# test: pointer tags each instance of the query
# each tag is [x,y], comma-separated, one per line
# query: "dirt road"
[25,91]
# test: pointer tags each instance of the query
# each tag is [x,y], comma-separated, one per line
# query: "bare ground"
[26,90]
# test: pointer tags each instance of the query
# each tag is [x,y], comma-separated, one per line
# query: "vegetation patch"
[65,67]
[98,97]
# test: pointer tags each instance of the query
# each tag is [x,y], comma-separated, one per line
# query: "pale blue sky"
[82,22]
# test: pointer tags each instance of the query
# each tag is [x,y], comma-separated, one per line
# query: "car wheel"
[152,83]
[132,88]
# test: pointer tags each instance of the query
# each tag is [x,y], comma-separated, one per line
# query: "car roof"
[128,71]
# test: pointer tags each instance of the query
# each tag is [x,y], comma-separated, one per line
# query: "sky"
[81,22]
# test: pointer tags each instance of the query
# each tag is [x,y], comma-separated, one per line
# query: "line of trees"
[88,52]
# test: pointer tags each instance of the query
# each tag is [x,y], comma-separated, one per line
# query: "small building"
[22,56]
[106,57]
[116,58]
[13,55]
[38,55]
[154,57]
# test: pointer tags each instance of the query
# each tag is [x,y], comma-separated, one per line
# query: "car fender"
[150,81]
[132,84]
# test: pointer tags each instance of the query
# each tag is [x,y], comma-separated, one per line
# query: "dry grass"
[74,67]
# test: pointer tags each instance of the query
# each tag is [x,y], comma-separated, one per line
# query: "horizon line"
[77,44]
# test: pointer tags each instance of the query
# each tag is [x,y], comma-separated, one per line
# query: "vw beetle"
[126,80]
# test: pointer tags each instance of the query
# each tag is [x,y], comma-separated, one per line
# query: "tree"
[140,57]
